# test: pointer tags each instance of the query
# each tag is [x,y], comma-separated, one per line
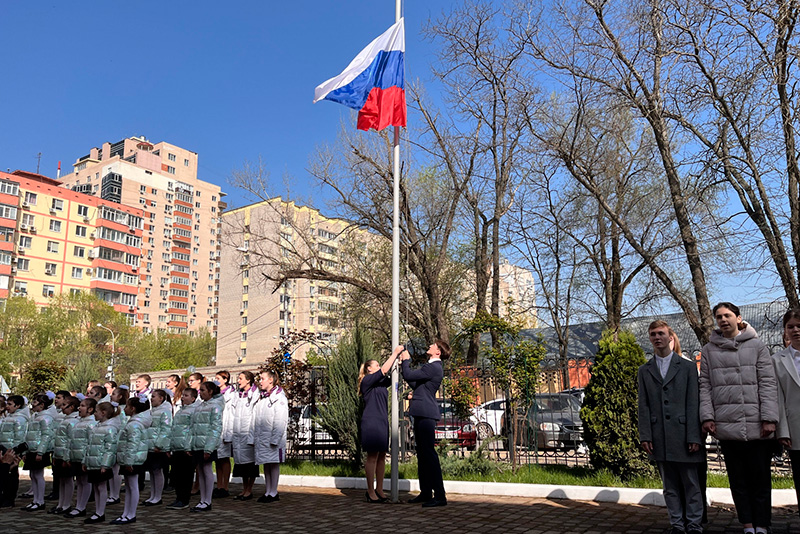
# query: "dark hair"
[98,391]
[161,393]
[192,392]
[42,399]
[138,404]
[276,379]
[113,384]
[175,378]
[732,307]
[197,376]
[63,393]
[249,376]
[92,403]
[18,400]
[180,388]
[794,313]
[212,387]
[444,348]
[146,377]
[735,309]
[107,408]
[125,394]
[69,400]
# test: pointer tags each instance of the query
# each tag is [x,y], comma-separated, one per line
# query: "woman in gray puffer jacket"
[739,405]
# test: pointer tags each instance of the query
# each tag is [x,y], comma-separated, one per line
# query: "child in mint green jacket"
[101,455]
[40,436]
[61,456]
[132,453]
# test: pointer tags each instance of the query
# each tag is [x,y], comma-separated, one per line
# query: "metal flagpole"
[396,301]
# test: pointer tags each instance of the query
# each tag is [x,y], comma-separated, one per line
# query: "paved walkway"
[304,510]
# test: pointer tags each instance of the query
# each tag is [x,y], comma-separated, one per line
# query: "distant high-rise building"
[254,314]
[54,240]
[179,272]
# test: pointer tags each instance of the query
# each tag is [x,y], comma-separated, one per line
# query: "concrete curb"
[780,497]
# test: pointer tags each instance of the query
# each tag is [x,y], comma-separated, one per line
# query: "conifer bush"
[609,412]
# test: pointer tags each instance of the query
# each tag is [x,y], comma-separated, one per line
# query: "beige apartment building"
[180,269]
[254,314]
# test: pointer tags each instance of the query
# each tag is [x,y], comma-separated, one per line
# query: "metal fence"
[546,428]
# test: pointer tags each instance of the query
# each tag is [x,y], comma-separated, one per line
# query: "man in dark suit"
[424,409]
[669,428]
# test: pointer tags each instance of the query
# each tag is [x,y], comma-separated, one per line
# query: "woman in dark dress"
[373,379]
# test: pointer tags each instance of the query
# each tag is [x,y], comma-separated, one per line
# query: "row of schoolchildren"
[92,443]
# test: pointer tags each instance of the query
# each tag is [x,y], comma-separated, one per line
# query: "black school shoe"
[177,505]
[150,503]
[434,503]
[269,498]
[95,519]
[72,514]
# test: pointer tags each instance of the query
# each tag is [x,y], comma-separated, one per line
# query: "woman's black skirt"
[199,457]
[156,461]
[97,477]
[375,434]
[245,470]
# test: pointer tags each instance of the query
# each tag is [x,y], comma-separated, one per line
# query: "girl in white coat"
[225,450]
[270,419]
[787,373]
[244,459]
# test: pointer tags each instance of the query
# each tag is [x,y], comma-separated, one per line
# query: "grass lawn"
[530,474]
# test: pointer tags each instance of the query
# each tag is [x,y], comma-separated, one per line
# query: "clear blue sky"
[228,80]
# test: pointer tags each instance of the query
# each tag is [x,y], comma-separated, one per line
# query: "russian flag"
[373,83]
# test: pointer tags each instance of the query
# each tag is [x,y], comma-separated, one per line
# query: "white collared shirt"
[663,363]
[795,358]
[431,360]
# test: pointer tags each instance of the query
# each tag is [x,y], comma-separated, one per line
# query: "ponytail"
[363,372]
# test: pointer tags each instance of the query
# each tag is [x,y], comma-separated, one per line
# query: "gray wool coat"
[788,397]
[668,410]
[738,390]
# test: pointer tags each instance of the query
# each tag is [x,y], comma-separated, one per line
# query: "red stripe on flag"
[384,107]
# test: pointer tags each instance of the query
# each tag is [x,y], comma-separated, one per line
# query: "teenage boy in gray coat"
[669,428]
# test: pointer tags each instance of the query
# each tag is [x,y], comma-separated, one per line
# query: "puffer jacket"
[181,432]
[101,451]
[42,431]
[242,426]
[207,425]
[14,427]
[270,417]
[738,390]
[64,436]
[133,440]
[79,440]
[160,428]
[230,394]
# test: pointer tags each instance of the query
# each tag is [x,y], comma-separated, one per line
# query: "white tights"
[37,485]
[65,489]
[206,476]
[114,483]
[131,496]
[84,491]
[156,485]
[100,496]
[271,474]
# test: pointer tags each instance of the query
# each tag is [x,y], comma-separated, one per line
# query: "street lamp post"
[110,370]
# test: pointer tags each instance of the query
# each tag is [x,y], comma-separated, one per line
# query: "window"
[79,252]
[21,287]
[9,188]
[171,157]
[244,336]
[25,241]
[142,189]
[80,231]
[8,212]
[83,211]
[245,289]
[77,272]
[48,291]
[5,259]
[30,198]
[52,246]
[73,291]
[23,264]
[50,269]
[185,162]
[170,169]
[244,321]
[28,219]
[57,204]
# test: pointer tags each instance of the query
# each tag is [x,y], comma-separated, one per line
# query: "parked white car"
[487,418]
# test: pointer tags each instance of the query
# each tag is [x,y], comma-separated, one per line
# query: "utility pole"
[38,161]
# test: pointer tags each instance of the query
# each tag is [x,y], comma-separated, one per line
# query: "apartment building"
[254,313]
[179,274]
[54,240]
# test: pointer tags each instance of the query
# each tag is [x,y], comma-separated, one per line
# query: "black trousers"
[9,483]
[748,465]
[182,475]
[430,471]
[794,457]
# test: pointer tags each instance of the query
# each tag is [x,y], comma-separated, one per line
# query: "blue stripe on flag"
[386,70]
